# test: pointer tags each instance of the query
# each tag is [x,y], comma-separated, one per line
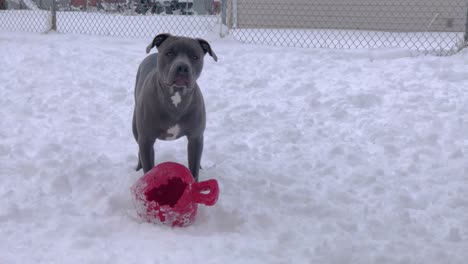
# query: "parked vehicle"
[186,7]
[169,7]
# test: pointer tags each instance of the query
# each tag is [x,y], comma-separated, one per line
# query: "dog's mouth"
[181,81]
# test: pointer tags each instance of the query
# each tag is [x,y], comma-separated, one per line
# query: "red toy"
[168,194]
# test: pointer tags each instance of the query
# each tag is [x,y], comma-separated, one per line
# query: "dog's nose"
[182,69]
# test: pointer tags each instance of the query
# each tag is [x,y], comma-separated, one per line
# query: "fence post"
[466,24]
[54,16]
[234,13]
[222,18]
[223,11]
[227,12]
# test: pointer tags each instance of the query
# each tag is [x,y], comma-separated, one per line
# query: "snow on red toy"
[168,194]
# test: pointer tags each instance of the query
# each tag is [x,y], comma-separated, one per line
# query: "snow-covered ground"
[322,156]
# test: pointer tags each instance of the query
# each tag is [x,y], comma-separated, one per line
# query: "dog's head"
[180,60]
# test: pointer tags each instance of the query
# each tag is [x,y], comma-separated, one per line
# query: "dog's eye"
[195,58]
[170,53]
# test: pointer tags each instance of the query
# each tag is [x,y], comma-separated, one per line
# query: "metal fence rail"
[430,26]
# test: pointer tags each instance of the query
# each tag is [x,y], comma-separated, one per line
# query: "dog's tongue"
[181,81]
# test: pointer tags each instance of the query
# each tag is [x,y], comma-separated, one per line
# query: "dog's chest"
[172,133]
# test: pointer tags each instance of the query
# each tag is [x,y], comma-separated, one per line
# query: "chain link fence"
[430,26]
[125,18]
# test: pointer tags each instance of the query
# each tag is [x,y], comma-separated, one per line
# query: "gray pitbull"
[168,101]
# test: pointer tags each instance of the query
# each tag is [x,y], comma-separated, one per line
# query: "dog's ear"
[207,48]
[157,41]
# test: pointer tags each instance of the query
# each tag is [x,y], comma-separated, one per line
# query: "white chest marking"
[173,132]
[176,99]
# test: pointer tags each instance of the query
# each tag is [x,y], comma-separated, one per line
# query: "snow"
[30,4]
[322,156]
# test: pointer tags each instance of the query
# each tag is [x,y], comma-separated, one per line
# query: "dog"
[168,102]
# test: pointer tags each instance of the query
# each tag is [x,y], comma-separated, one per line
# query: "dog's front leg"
[195,150]
[146,154]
